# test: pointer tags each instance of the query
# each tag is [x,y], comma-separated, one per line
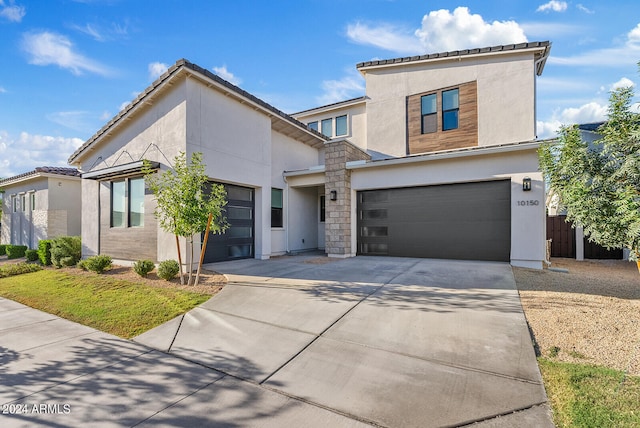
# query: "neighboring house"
[41,204]
[438,159]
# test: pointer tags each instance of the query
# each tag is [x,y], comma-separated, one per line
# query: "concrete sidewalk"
[292,341]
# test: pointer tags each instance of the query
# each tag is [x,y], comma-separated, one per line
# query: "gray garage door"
[470,221]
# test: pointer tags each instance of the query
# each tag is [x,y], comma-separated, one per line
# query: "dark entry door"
[238,240]
[470,221]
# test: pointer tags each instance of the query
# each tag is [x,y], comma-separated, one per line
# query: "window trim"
[313,125]
[330,122]
[456,109]
[280,224]
[126,220]
[322,215]
[346,125]
[433,113]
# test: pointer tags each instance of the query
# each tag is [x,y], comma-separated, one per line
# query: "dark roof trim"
[330,106]
[118,171]
[175,70]
[54,170]
[465,52]
[590,126]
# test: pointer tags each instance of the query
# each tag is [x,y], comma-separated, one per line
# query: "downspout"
[286,214]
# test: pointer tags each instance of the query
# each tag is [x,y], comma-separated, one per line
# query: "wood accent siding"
[466,135]
[128,243]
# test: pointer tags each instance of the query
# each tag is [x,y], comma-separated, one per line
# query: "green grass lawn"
[590,396]
[122,308]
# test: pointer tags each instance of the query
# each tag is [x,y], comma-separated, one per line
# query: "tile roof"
[590,126]
[336,104]
[175,69]
[55,170]
[464,52]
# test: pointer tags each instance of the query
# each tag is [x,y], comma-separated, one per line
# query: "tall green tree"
[599,182]
[185,198]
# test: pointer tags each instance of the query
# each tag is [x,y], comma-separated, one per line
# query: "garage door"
[238,240]
[470,221]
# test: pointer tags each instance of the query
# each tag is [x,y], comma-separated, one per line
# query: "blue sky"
[68,66]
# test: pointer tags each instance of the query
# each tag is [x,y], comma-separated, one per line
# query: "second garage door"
[470,221]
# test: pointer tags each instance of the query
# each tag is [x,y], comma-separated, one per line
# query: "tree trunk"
[180,260]
[190,260]
[204,247]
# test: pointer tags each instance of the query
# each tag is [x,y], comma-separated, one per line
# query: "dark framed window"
[327,127]
[322,208]
[127,202]
[136,202]
[341,125]
[276,208]
[32,200]
[24,203]
[313,125]
[118,203]
[450,109]
[429,113]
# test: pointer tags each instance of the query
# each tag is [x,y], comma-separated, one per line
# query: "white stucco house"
[40,204]
[437,159]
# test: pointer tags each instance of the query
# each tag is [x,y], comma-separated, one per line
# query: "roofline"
[32,175]
[176,71]
[333,106]
[544,47]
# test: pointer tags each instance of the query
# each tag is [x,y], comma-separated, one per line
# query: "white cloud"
[156,69]
[586,113]
[633,36]
[349,86]
[81,121]
[46,48]
[2,90]
[556,6]
[227,75]
[384,36]
[550,30]
[584,9]
[622,83]
[134,95]
[28,151]
[441,30]
[103,33]
[90,30]
[12,12]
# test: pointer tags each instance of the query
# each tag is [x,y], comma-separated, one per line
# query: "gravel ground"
[589,315]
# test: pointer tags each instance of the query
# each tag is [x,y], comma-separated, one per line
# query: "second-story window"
[313,125]
[450,109]
[429,111]
[341,125]
[327,127]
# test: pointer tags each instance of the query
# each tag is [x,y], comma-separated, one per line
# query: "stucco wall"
[527,219]
[356,122]
[506,98]
[65,206]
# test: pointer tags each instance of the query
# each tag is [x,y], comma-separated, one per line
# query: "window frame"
[323,209]
[127,201]
[455,109]
[277,221]
[32,201]
[423,115]
[346,125]
[313,125]
[328,121]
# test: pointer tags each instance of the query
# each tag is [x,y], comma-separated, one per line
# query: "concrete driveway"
[302,341]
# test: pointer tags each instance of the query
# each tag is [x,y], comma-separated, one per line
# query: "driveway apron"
[385,341]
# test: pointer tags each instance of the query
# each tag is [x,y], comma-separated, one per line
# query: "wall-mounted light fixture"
[526,184]
[333,195]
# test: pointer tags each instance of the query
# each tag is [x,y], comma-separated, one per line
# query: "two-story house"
[438,159]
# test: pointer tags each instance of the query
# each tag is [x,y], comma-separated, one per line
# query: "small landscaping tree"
[183,205]
[599,182]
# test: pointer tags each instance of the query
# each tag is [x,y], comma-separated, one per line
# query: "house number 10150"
[528,203]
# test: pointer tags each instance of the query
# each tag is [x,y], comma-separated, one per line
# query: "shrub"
[143,267]
[3,249]
[16,251]
[18,268]
[66,251]
[97,264]
[168,269]
[44,251]
[32,255]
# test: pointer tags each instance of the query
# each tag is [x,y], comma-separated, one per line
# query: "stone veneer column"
[338,212]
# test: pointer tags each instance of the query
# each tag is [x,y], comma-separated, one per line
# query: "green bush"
[16,251]
[44,251]
[168,269]
[32,255]
[66,251]
[3,249]
[18,268]
[143,267]
[97,264]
